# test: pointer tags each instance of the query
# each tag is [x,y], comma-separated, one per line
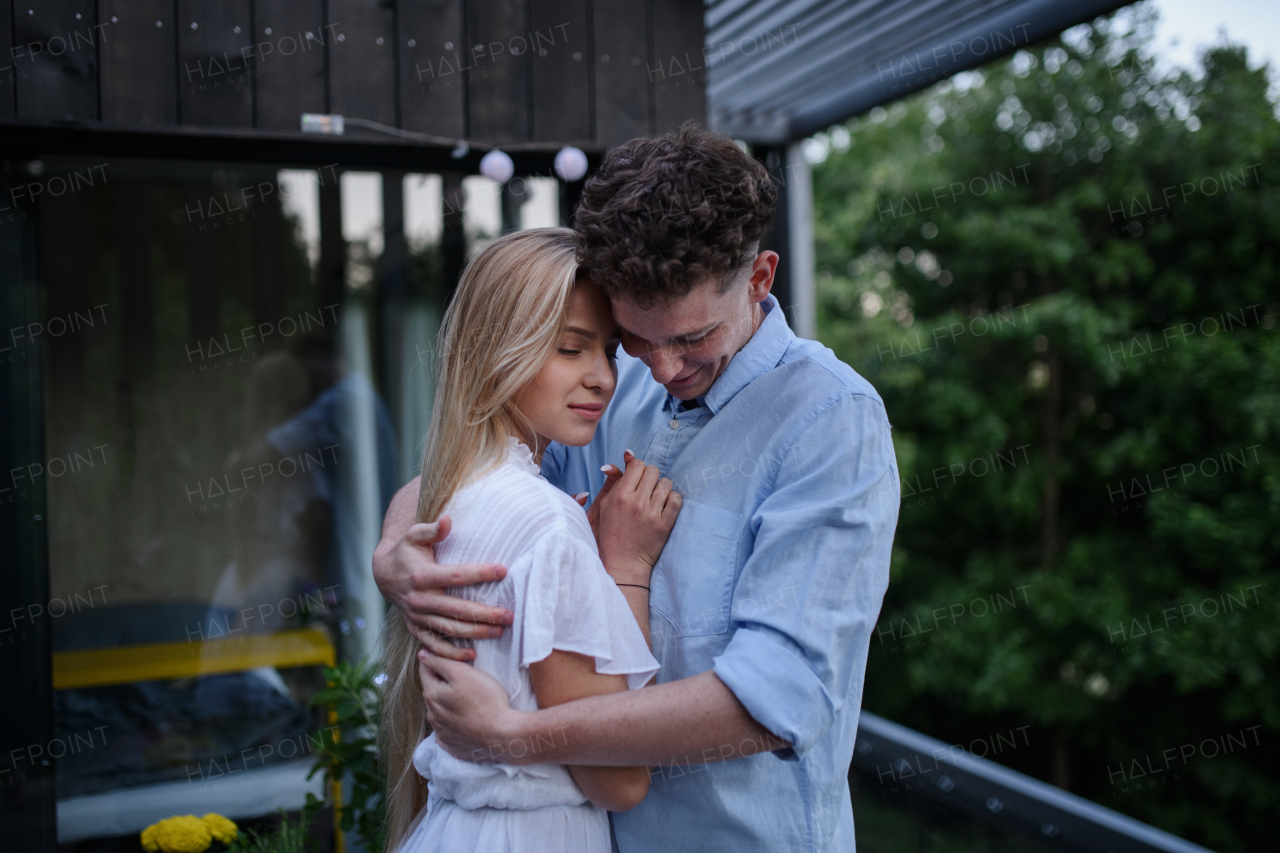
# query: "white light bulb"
[571,164]
[497,166]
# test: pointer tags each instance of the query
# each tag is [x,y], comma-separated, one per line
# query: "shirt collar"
[761,354]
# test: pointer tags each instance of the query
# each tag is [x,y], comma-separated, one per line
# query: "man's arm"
[408,576]
[696,720]
[803,609]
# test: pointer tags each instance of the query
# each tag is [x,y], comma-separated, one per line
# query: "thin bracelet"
[636,585]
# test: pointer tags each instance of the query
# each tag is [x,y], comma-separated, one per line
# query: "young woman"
[527,357]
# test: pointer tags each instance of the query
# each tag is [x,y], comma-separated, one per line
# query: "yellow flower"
[220,828]
[182,834]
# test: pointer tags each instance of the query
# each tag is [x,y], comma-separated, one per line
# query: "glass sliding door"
[219,452]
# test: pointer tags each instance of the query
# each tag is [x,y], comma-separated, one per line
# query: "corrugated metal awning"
[780,70]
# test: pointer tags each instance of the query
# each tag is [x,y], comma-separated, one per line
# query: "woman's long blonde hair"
[502,326]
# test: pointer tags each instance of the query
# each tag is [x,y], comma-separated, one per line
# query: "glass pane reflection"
[244,458]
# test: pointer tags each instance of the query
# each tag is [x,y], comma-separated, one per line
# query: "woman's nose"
[601,375]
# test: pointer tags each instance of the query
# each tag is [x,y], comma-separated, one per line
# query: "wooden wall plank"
[560,65]
[432,91]
[214,82]
[623,98]
[362,63]
[289,41]
[680,85]
[497,77]
[8,74]
[55,57]
[138,62]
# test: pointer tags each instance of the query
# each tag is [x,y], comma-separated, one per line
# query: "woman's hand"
[634,514]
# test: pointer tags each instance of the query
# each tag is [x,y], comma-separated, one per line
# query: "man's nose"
[664,364]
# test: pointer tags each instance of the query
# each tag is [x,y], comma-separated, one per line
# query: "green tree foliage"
[1060,272]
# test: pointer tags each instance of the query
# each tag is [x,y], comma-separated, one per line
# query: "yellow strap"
[156,661]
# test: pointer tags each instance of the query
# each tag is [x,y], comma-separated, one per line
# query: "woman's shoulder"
[518,508]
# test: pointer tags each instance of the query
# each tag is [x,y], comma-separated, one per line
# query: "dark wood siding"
[214,76]
[362,78]
[138,63]
[623,97]
[497,69]
[8,74]
[55,57]
[289,42]
[560,65]
[432,88]
[679,73]
[592,72]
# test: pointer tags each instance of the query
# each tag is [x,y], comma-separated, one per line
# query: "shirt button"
[675,424]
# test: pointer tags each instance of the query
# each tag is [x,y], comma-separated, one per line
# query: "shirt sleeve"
[570,603]
[808,596]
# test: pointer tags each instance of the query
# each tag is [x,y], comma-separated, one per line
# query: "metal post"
[799,225]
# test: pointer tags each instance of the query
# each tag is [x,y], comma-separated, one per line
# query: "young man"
[764,598]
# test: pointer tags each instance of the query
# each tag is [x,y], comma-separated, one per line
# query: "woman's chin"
[579,436]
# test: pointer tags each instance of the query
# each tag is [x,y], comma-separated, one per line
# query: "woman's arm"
[566,676]
[632,518]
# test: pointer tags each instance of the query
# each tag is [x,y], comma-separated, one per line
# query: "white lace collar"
[519,455]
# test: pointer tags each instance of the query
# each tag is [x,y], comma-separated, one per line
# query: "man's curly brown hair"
[666,213]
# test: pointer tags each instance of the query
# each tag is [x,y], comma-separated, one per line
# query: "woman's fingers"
[611,477]
[672,507]
[630,479]
[648,480]
[659,498]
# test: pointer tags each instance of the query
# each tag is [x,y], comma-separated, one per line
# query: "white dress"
[561,598]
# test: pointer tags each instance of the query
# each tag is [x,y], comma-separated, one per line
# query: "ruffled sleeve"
[570,603]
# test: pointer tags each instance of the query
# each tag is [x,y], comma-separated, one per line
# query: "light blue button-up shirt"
[773,577]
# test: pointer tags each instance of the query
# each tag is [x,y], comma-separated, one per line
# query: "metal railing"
[905,761]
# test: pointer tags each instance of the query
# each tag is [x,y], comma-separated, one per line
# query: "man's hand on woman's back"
[408,576]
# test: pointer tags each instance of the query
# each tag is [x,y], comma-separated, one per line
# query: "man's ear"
[763,269]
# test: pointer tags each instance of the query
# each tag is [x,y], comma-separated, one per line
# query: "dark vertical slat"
[680,84]
[138,64]
[8,75]
[570,194]
[214,82]
[621,62]
[362,72]
[137,305]
[288,43]
[271,237]
[511,203]
[55,58]
[432,92]
[497,78]
[205,289]
[453,236]
[332,272]
[560,63]
[28,806]
[393,292]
